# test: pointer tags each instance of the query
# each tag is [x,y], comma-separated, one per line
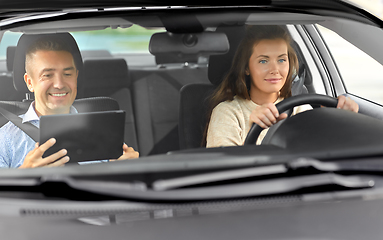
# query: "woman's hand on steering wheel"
[342,102]
[347,103]
[266,115]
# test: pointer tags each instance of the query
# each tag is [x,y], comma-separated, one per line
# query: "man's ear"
[28,82]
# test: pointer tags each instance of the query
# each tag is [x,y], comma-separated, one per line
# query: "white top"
[229,123]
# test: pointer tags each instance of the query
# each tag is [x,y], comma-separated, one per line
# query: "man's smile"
[58,94]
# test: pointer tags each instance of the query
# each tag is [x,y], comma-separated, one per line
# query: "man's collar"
[31,114]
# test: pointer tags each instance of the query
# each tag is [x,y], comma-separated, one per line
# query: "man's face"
[52,76]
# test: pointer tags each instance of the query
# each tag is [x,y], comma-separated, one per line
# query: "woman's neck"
[261,98]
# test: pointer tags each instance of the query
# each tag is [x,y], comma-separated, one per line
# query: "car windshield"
[259,121]
[179,91]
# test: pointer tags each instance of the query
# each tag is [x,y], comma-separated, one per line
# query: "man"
[51,74]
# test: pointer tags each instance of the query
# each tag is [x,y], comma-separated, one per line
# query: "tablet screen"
[86,136]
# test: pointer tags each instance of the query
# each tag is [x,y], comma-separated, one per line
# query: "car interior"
[164,93]
[165,104]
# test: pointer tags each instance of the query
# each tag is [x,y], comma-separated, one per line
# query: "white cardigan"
[229,123]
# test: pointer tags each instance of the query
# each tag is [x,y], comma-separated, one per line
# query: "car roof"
[19,11]
[12,8]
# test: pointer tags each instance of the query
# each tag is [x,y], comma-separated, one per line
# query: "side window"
[8,39]
[361,73]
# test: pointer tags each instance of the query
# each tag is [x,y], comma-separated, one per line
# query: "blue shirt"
[15,144]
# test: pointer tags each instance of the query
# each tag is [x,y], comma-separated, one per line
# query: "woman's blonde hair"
[236,82]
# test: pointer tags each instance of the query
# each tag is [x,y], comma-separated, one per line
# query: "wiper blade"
[298,164]
[161,185]
[228,191]
[166,191]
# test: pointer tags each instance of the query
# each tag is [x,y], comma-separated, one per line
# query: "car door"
[349,61]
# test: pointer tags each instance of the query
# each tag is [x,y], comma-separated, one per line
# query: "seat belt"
[30,129]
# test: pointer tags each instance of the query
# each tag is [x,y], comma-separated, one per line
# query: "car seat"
[156,93]
[109,77]
[194,100]
[20,107]
[7,90]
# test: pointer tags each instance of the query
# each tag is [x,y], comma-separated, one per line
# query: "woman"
[260,76]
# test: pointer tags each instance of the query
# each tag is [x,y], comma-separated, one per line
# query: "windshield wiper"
[281,185]
[298,164]
[170,189]
[167,184]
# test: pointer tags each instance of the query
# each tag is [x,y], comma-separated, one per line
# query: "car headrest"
[25,41]
[181,48]
[104,74]
[10,57]
[219,65]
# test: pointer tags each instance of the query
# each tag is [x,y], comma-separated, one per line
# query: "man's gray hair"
[45,44]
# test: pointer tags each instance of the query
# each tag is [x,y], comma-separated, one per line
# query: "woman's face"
[268,67]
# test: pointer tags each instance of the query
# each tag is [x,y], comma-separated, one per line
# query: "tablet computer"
[86,136]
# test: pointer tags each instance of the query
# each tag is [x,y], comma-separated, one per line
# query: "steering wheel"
[289,103]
